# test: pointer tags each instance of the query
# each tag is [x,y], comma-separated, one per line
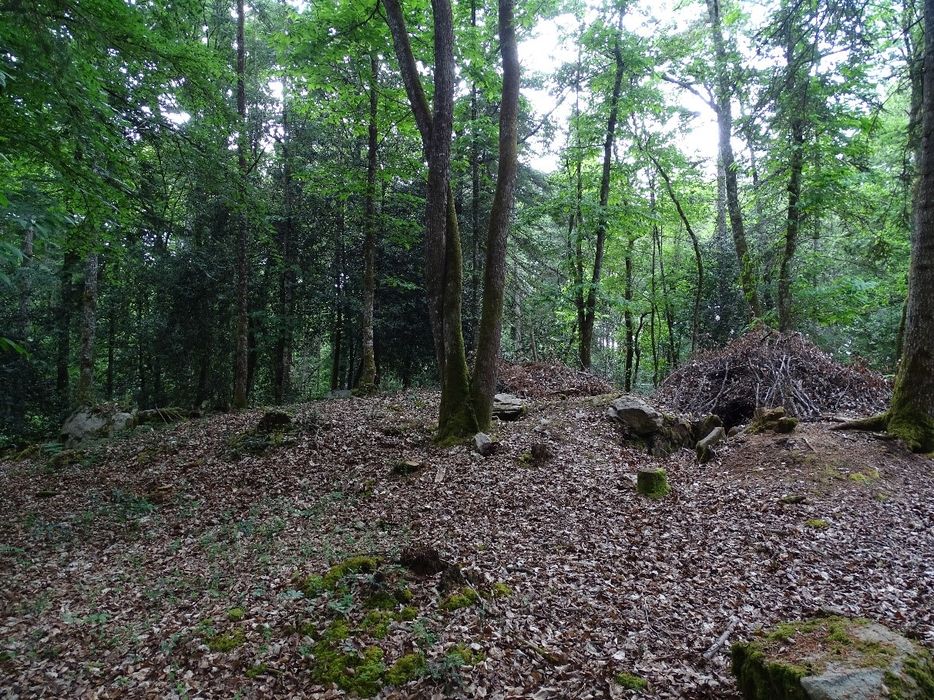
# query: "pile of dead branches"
[767,369]
[539,380]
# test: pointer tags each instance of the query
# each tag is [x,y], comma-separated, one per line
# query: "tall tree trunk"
[793,224]
[695,244]
[84,391]
[494,271]
[724,92]
[241,340]
[444,264]
[283,352]
[367,380]
[627,315]
[474,203]
[63,329]
[911,414]
[586,330]
[337,322]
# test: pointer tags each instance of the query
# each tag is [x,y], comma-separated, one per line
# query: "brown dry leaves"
[106,592]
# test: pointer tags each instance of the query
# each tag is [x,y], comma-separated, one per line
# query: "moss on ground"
[501,590]
[817,523]
[463,598]
[630,681]
[226,642]
[236,614]
[406,669]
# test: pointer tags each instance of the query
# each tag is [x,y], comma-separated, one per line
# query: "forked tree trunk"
[444,265]
[367,381]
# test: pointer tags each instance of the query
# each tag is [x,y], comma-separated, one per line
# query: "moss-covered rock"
[652,483]
[832,658]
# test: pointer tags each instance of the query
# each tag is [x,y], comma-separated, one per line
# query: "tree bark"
[84,391]
[367,381]
[241,369]
[627,315]
[911,414]
[444,264]
[586,330]
[494,272]
[724,92]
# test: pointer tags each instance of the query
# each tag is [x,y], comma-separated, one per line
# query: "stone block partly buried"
[833,658]
[652,483]
[508,407]
[484,444]
[705,447]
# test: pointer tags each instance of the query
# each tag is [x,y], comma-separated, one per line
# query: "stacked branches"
[766,369]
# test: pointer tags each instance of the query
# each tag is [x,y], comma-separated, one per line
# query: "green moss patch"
[501,590]
[630,681]
[226,642]
[817,523]
[652,483]
[464,598]
[352,565]
[772,666]
[407,668]
[236,614]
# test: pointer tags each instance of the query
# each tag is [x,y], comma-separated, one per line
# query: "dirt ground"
[173,563]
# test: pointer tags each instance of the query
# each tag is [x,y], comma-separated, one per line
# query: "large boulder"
[636,415]
[833,658]
[508,407]
[94,422]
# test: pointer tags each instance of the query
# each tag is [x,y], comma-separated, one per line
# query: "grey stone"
[484,444]
[508,407]
[705,451]
[91,423]
[634,413]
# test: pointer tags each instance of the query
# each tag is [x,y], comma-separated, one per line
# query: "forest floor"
[170,564]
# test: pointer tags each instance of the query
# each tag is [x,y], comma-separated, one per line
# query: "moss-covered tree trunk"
[724,93]
[494,271]
[911,414]
[367,380]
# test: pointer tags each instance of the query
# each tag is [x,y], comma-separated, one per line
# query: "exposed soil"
[167,564]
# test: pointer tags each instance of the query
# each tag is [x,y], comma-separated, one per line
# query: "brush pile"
[540,380]
[767,369]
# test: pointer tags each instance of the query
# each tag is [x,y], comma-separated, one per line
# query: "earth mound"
[767,369]
[540,380]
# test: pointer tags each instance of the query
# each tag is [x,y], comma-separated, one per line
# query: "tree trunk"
[627,316]
[911,414]
[240,353]
[65,306]
[586,330]
[724,92]
[698,261]
[444,265]
[84,392]
[793,224]
[367,381]
[282,361]
[494,272]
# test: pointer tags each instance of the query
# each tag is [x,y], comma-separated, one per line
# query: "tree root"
[876,423]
